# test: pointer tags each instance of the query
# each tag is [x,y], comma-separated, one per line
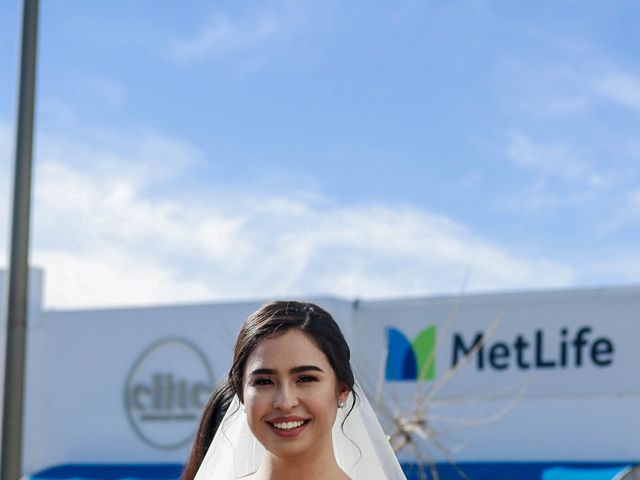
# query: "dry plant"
[632,473]
[419,428]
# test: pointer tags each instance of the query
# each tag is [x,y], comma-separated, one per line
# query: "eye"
[262,382]
[306,379]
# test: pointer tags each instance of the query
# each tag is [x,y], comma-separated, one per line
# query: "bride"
[290,408]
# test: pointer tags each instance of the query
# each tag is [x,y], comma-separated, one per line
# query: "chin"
[289,447]
[290,451]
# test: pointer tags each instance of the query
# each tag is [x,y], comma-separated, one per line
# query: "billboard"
[487,377]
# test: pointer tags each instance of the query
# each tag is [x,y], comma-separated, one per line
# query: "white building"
[556,379]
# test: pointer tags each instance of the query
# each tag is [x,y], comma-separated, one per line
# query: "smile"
[288,425]
[288,428]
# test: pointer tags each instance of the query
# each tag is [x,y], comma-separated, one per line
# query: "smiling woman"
[296,411]
[291,408]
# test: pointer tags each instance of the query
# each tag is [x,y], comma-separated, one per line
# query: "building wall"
[127,385]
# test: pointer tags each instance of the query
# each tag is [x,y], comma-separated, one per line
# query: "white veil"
[360,445]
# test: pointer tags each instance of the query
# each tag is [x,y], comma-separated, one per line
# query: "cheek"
[325,404]
[256,405]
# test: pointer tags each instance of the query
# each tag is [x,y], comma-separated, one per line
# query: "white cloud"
[620,87]
[546,90]
[569,89]
[111,276]
[559,178]
[110,91]
[615,267]
[627,216]
[6,149]
[539,195]
[107,231]
[634,201]
[550,159]
[105,236]
[142,154]
[567,141]
[221,34]
[6,184]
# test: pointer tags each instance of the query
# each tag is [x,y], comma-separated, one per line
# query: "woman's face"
[291,394]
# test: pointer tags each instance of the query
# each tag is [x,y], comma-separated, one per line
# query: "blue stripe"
[476,471]
[166,471]
[522,470]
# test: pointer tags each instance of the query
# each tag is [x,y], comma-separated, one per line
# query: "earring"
[341,403]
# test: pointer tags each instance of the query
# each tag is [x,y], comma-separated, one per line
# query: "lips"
[288,426]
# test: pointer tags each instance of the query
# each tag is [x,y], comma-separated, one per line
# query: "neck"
[315,465]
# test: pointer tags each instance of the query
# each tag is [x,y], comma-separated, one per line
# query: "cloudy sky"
[205,151]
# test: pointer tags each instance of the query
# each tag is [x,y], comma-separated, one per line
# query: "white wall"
[118,385]
[95,376]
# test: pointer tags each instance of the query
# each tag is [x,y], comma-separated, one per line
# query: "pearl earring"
[341,403]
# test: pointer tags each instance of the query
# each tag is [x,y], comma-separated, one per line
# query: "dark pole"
[17,285]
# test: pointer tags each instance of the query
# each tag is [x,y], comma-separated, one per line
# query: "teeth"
[288,425]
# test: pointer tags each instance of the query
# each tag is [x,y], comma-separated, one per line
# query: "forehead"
[283,352]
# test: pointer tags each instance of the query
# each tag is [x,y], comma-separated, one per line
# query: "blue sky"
[202,151]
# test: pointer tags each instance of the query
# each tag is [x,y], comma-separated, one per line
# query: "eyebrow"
[300,369]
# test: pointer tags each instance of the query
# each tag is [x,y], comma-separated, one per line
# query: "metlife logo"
[411,360]
[534,350]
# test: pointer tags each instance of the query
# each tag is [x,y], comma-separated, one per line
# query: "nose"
[285,398]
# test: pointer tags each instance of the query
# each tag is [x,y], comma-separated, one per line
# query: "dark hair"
[213,414]
[269,321]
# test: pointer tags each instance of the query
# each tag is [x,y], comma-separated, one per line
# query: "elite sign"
[166,390]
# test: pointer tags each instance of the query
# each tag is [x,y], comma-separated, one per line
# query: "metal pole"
[17,285]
